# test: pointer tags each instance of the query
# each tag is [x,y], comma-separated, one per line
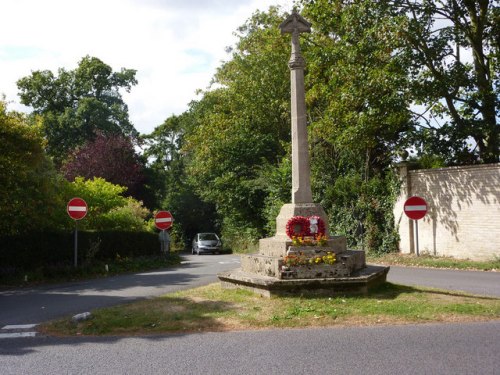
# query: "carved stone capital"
[297,62]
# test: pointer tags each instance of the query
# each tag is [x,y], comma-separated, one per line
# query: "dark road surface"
[454,349]
[36,305]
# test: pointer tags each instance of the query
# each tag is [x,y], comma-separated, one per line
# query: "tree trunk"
[478,17]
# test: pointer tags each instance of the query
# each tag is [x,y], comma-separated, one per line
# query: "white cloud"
[174,45]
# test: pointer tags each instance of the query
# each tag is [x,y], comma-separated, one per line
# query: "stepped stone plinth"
[361,282]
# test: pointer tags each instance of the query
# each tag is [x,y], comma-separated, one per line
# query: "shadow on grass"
[392,291]
[161,315]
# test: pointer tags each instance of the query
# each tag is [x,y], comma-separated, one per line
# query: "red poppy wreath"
[300,226]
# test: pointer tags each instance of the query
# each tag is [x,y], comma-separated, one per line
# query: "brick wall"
[463,219]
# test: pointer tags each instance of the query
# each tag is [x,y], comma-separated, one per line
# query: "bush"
[53,249]
[352,200]
[108,210]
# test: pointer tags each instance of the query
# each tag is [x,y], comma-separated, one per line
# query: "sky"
[175,45]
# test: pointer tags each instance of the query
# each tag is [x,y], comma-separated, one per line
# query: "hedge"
[33,250]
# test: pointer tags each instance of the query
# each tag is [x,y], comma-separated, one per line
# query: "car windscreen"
[207,237]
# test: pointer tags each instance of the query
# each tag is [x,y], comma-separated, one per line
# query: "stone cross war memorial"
[302,257]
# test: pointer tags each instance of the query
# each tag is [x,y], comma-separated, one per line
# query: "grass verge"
[426,260]
[211,308]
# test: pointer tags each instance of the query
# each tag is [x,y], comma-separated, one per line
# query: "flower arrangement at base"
[294,260]
[317,240]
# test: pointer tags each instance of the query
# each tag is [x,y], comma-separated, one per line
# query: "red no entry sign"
[163,220]
[77,208]
[415,208]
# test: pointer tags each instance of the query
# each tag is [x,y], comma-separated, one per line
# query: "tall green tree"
[359,115]
[453,47]
[356,93]
[75,104]
[241,125]
[30,188]
[166,164]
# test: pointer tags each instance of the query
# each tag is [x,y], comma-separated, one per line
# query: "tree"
[75,104]
[453,47]
[360,116]
[241,125]
[111,157]
[168,172]
[30,197]
[356,91]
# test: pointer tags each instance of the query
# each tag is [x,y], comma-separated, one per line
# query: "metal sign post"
[76,244]
[416,236]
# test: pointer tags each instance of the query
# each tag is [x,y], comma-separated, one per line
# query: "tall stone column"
[301,176]
[302,202]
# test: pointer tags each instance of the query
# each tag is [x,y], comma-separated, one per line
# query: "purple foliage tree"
[111,157]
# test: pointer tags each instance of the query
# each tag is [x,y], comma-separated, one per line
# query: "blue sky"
[175,45]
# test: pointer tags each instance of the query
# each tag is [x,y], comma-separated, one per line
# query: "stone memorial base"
[360,282]
[270,271]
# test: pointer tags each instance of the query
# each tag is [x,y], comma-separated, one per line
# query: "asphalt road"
[447,349]
[474,282]
[39,304]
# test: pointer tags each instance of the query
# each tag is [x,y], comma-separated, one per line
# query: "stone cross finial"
[295,24]
[301,170]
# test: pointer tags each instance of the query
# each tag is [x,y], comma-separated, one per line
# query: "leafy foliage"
[29,185]
[52,257]
[453,51]
[356,96]
[240,125]
[111,157]
[108,209]
[167,163]
[75,104]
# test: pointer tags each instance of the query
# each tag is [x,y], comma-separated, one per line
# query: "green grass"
[211,308]
[426,260]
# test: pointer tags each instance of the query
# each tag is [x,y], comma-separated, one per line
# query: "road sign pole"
[416,236]
[76,244]
[164,240]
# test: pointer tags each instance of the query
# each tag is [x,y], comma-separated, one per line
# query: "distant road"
[475,282]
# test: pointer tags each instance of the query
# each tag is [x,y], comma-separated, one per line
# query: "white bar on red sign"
[164,220]
[415,208]
[77,208]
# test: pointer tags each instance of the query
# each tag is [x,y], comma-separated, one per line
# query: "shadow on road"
[35,305]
